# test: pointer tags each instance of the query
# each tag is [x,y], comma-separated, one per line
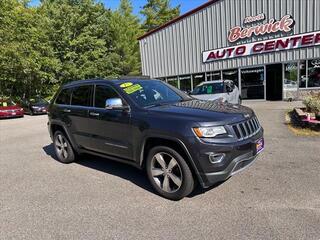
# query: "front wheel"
[169,173]
[63,148]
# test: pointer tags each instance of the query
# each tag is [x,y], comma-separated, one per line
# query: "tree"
[79,34]
[125,29]
[27,61]
[158,12]
[58,41]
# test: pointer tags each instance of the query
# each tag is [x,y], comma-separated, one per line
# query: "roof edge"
[197,9]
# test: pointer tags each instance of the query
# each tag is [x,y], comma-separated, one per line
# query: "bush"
[312,103]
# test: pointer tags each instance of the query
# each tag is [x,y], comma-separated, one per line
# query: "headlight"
[209,132]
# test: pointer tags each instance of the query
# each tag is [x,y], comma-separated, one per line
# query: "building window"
[212,76]
[252,83]
[303,74]
[173,81]
[290,81]
[197,79]
[231,75]
[314,73]
[185,83]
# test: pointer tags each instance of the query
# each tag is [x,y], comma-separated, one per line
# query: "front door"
[253,83]
[110,129]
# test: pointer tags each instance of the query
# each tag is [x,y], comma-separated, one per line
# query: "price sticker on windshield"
[133,88]
[125,85]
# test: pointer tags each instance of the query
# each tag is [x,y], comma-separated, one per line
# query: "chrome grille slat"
[247,128]
[251,126]
[239,130]
[246,131]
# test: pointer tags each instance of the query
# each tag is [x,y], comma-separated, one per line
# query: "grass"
[299,130]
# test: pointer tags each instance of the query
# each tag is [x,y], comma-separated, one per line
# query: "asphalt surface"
[278,197]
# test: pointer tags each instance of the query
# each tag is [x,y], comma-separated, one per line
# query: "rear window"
[81,96]
[64,97]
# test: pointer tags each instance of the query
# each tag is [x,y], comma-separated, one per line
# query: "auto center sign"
[284,25]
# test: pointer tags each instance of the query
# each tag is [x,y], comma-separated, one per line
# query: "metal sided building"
[269,48]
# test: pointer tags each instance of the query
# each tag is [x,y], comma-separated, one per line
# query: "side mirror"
[115,104]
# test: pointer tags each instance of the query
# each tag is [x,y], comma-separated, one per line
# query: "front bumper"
[237,165]
[11,115]
[39,111]
[237,157]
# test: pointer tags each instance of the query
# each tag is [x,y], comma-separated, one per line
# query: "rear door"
[81,102]
[110,129]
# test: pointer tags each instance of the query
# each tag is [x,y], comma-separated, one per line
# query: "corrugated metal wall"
[177,49]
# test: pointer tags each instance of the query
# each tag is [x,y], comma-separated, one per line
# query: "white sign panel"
[272,45]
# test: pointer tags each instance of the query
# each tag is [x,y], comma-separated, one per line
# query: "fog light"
[216,157]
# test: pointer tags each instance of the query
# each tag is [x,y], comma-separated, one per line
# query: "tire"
[63,148]
[168,173]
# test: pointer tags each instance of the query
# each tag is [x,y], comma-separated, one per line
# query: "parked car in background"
[34,106]
[178,140]
[225,90]
[9,109]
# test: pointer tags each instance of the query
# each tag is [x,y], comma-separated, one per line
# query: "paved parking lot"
[276,198]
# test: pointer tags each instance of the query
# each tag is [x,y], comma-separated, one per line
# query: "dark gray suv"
[178,140]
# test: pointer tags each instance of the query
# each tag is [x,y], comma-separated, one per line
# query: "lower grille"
[246,129]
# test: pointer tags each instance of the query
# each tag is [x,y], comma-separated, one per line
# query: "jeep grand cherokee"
[149,124]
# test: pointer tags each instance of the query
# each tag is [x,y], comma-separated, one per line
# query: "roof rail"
[133,77]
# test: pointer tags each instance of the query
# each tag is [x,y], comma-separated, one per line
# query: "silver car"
[225,90]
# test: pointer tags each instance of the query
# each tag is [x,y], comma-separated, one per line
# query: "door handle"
[66,110]
[94,114]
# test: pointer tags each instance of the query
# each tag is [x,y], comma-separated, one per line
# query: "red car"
[8,109]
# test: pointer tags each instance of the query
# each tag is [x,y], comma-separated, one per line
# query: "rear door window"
[81,96]
[103,93]
[64,97]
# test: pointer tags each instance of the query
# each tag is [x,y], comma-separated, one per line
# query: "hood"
[15,107]
[206,111]
[39,104]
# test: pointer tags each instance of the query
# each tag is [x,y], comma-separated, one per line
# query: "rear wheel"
[63,148]
[169,173]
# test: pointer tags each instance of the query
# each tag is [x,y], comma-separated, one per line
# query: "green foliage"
[64,40]
[158,12]
[125,29]
[312,103]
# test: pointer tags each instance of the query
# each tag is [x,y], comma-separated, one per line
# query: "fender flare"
[184,147]
[62,125]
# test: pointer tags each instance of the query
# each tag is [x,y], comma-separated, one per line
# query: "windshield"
[38,100]
[7,103]
[147,93]
[209,88]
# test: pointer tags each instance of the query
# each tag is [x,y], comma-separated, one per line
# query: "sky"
[186,5]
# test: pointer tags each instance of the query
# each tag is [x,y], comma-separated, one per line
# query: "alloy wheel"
[166,172]
[61,146]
